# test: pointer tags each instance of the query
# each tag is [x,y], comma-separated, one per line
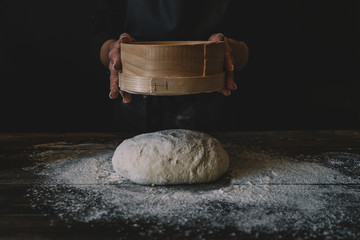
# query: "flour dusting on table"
[263,192]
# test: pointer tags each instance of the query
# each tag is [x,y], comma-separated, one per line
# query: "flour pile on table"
[171,157]
[262,191]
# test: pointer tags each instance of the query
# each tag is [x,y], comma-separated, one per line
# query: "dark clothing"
[199,111]
[148,20]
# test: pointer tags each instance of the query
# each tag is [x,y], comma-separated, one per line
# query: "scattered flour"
[263,192]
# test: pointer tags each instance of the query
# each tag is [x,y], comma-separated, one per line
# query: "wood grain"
[171,85]
[182,67]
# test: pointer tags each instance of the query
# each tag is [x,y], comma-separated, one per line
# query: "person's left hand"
[115,66]
[236,57]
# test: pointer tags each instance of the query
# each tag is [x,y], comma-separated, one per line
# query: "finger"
[126,96]
[217,37]
[225,92]
[230,83]
[229,65]
[114,56]
[114,83]
[115,66]
[125,37]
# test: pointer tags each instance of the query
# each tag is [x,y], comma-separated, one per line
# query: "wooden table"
[20,218]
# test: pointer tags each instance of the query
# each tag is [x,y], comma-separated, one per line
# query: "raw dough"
[171,157]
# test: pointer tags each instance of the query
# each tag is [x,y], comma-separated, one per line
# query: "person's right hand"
[115,67]
[236,58]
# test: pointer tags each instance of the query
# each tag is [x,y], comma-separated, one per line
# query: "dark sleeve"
[107,23]
[242,23]
[238,20]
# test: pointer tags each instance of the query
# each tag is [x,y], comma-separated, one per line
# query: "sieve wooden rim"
[171,85]
[172,43]
[172,67]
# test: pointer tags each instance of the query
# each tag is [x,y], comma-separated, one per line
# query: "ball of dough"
[171,157]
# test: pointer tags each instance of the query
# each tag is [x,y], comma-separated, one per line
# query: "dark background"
[304,70]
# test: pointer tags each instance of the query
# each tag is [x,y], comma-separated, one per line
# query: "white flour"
[263,192]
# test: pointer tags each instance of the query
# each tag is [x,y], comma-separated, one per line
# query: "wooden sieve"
[172,67]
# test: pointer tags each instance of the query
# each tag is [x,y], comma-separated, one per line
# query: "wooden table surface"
[21,218]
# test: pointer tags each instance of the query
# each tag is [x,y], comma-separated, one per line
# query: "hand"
[236,57]
[114,65]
